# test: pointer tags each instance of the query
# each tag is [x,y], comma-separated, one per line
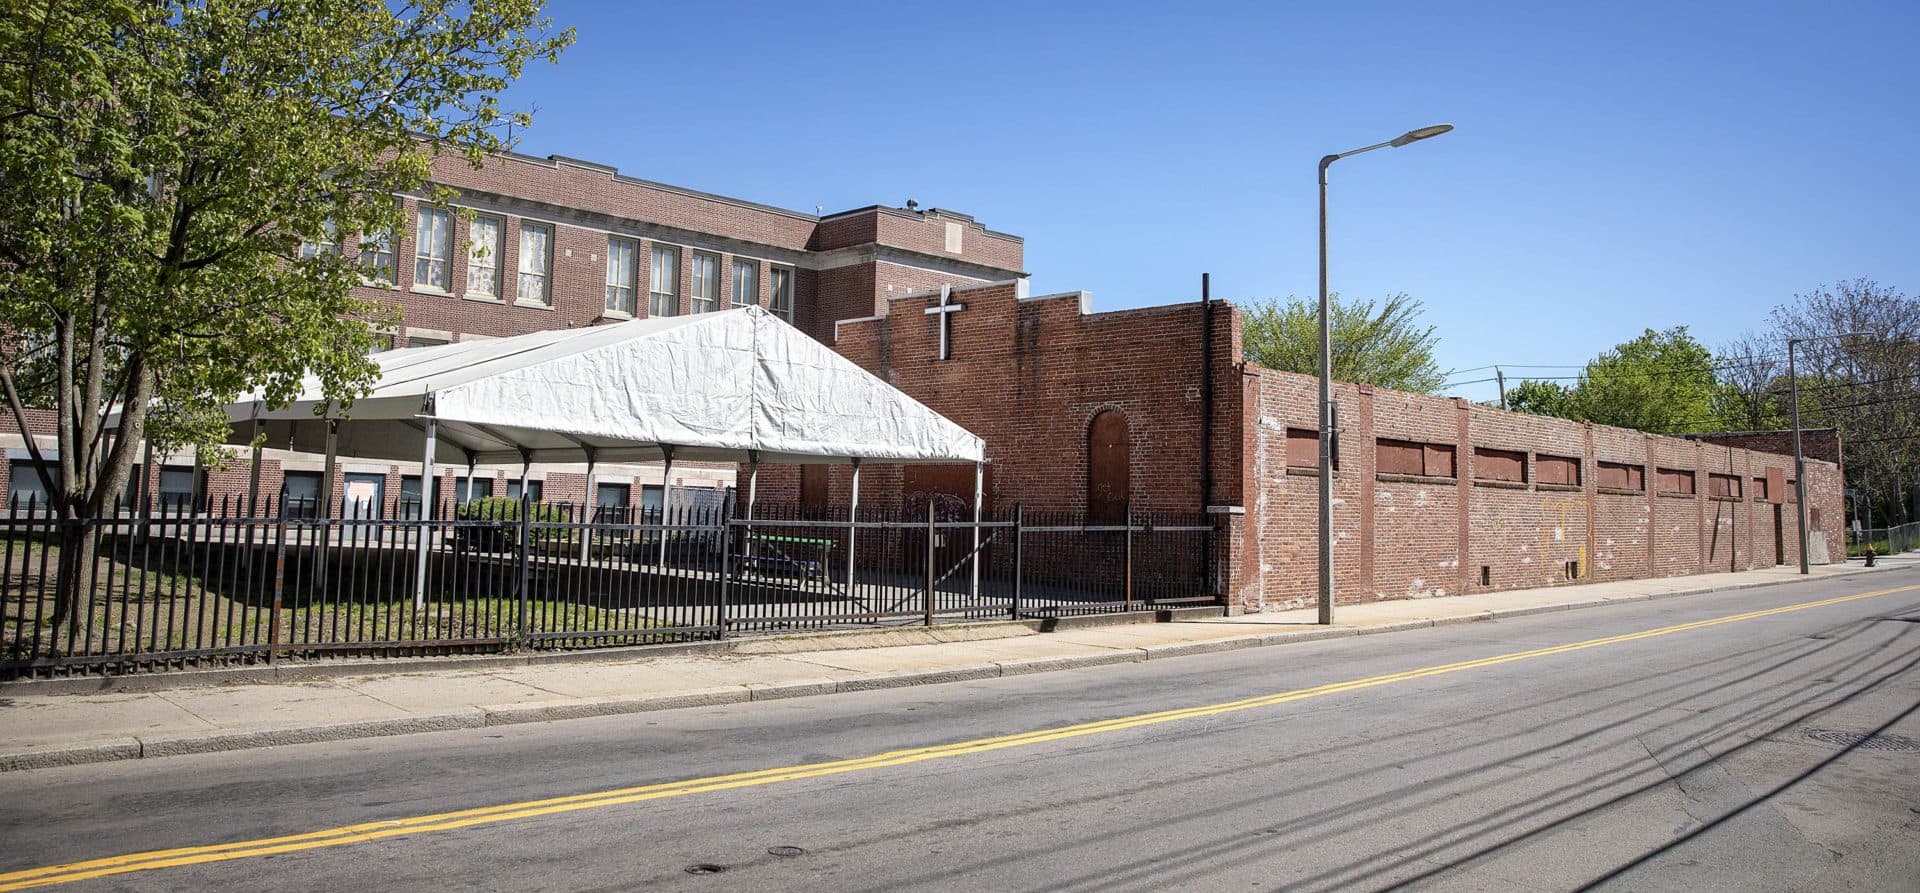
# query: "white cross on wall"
[945,310]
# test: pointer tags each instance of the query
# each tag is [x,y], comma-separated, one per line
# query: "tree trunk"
[73,585]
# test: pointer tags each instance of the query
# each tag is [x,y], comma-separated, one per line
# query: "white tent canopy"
[727,386]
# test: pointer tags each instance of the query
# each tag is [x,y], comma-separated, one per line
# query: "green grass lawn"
[132,610]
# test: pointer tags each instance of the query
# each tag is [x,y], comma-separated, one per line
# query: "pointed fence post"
[926,595]
[526,543]
[979,498]
[1129,548]
[1019,522]
[853,522]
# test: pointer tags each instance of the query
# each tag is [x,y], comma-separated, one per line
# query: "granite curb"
[137,747]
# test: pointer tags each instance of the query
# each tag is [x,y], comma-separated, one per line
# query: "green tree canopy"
[1662,382]
[161,163]
[1378,344]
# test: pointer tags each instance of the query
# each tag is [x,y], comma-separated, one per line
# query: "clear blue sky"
[1616,165]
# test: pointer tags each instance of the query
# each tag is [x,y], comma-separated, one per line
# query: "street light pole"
[1799,460]
[1326,369]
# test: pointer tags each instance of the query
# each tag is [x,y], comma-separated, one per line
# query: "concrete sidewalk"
[52,729]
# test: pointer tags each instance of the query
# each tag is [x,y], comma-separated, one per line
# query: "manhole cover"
[706,868]
[785,852]
[1864,741]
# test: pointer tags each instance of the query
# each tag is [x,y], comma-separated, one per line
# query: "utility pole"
[1501,377]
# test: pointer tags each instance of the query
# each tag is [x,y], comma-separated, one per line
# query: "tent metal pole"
[468,496]
[853,522]
[428,496]
[979,497]
[326,502]
[253,470]
[587,506]
[526,468]
[666,501]
[753,495]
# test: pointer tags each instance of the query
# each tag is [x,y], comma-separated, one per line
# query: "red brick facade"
[1029,375]
[1434,496]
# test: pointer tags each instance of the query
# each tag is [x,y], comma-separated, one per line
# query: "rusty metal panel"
[1499,465]
[1556,470]
[1439,460]
[1399,457]
[1676,481]
[1109,467]
[1723,485]
[1620,476]
[1776,485]
[1303,448]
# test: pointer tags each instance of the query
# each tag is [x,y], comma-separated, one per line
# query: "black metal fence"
[169,586]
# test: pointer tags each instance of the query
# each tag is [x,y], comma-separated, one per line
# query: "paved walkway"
[50,729]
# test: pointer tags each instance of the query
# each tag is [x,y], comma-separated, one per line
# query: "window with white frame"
[746,282]
[621,257]
[536,263]
[705,295]
[483,256]
[433,250]
[376,258]
[781,301]
[663,283]
[328,244]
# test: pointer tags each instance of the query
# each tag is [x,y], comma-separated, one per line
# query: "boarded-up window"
[1407,457]
[1499,465]
[1620,476]
[1563,470]
[1760,493]
[1109,468]
[1776,485]
[1723,485]
[813,490]
[1677,482]
[1303,449]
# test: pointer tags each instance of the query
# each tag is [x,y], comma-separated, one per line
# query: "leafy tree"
[1859,371]
[1542,398]
[1377,344]
[161,165]
[1662,382]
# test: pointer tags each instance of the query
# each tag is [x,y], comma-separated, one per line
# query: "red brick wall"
[1399,536]
[1028,375]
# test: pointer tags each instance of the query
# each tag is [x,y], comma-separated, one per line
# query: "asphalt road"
[1727,756]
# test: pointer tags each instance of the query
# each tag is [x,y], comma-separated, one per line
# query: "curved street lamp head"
[1414,136]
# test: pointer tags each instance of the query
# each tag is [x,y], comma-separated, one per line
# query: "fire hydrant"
[1870,556]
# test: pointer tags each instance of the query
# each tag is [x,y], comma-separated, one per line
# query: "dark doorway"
[813,491]
[1109,468]
[1779,535]
[949,489]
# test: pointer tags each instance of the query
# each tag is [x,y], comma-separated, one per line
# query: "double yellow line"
[370,831]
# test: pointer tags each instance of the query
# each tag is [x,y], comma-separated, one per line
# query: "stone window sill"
[1559,488]
[484,299]
[1677,496]
[1501,485]
[532,305]
[1726,499]
[430,290]
[1432,479]
[1309,472]
[1619,491]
